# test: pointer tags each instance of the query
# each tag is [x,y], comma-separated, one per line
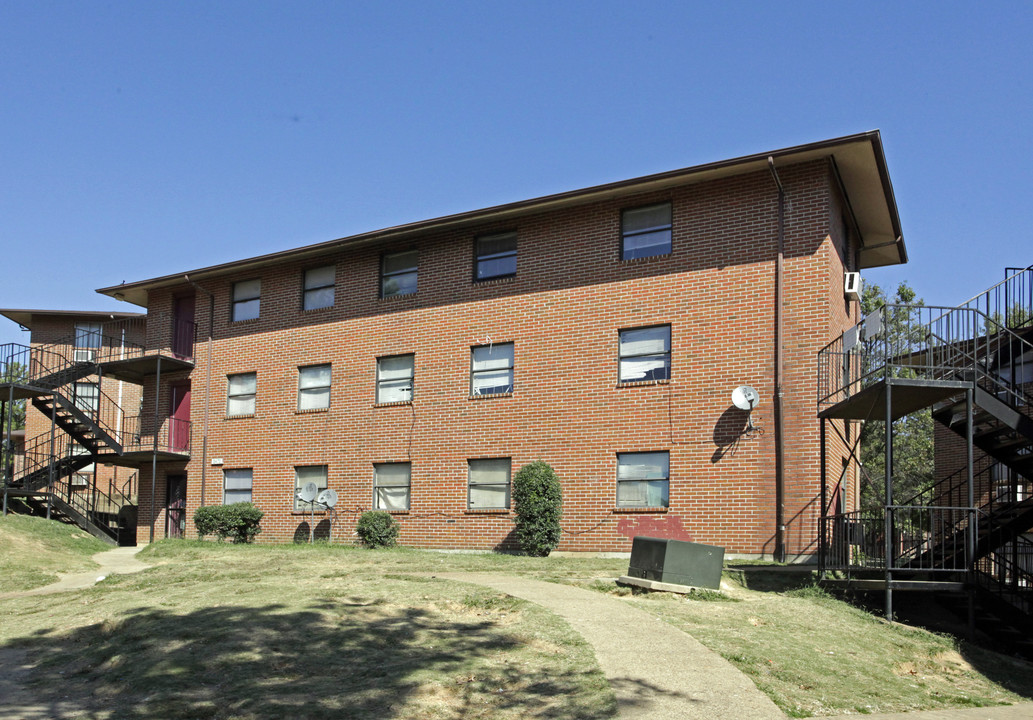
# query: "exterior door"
[179,417]
[183,326]
[175,505]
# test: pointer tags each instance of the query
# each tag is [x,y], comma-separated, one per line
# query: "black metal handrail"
[1008,574]
[927,342]
[173,434]
[927,538]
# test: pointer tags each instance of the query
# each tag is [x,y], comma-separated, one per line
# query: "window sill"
[240,417]
[394,512]
[620,510]
[645,260]
[324,308]
[491,396]
[245,321]
[486,511]
[642,383]
[395,298]
[301,513]
[499,280]
[397,403]
[310,411]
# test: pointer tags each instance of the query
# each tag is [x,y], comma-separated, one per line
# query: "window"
[395,378]
[246,299]
[391,484]
[87,397]
[313,387]
[240,396]
[488,484]
[236,486]
[398,274]
[87,340]
[645,354]
[496,256]
[643,479]
[319,288]
[491,369]
[304,474]
[646,231]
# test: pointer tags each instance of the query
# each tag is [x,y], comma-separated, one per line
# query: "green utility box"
[676,562]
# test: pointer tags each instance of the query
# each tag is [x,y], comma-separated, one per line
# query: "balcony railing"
[172,436]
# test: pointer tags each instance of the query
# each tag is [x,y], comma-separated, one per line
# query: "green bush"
[239,521]
[538,504]
[377,528]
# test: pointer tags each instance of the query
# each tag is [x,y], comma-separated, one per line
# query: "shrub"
[538,504]
[377,528]
[239,521]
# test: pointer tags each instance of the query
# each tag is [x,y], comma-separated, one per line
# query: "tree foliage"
[538,504]
[14,371]
[912,434]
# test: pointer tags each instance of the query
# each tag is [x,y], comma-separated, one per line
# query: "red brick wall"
[563,311]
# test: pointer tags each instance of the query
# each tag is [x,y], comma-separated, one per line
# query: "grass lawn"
[33,551]
[223,631]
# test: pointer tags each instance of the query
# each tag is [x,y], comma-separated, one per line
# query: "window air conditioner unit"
[84,354]
[852,285]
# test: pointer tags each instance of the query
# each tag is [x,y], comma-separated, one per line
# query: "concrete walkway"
[656,670]
[120,561]
[659,672]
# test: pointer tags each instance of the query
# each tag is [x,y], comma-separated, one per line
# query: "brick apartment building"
[415,369]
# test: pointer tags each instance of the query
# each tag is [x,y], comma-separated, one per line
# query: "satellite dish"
[328,497]
[308,492]
[745,397]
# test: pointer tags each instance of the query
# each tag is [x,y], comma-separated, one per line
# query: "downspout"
[780,549]
[208,384]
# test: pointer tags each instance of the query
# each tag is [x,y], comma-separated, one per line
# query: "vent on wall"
[852,285]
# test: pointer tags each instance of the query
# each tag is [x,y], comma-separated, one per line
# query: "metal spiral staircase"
[971,368]
[88,428]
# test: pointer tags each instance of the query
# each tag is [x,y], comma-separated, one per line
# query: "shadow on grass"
[337,658]
[773,578]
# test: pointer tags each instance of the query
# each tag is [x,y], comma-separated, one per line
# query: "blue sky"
[139,139]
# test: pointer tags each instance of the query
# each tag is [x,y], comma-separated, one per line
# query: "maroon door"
[179,417]
[183,326]
[175,505]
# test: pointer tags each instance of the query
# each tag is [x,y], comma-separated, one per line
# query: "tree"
[13,371]
[912,434]
[538,504]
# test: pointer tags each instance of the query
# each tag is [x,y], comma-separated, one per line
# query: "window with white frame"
[87,340]
[646,231]
[491,369]
[236,486]
[247,296]
[391,486]
[87,397]
[398,273]
[240,393]
[319,288]
[643,479]
[488,483]
[314,387]
[645,353]
[496,256]
[303,475]
[395,378]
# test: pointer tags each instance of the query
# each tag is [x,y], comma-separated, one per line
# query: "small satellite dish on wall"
[745,397]
[308,492]
[328,497]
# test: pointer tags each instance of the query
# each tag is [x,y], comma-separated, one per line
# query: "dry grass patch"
[271,632]
[34,550]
